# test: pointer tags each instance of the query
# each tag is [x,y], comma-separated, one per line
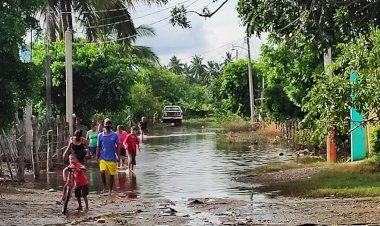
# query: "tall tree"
[175,65]
[18,80]
[325,23]
[187,73]
[234,86]
[103,77]
[227,58]
[329,100]
[198,69]
[179,14]
[213,70]
[100,19]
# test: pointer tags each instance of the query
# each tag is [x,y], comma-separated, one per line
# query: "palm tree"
[187,73]
[213,70]
[101,19]
[198,69]
[227,58]
[143,52]
[175,65]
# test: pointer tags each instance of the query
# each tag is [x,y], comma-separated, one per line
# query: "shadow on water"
[183,162]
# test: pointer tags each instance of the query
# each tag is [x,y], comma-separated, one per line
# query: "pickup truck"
[172,114]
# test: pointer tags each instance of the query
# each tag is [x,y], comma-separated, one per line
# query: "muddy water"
[184,162]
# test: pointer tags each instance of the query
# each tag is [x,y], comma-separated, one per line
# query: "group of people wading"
[111,149]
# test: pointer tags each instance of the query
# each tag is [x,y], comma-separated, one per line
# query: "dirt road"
[39,207]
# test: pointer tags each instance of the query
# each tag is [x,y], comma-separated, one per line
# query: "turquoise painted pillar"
[358,132]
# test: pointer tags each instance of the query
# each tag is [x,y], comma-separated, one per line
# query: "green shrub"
[307,138]
[375,140]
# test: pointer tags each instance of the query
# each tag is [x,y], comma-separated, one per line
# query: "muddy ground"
[40,207]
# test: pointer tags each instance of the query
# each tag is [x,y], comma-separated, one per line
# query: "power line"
[132,36]
[149,14]
[227,49]
[123,38]
[106,10]
[205,53]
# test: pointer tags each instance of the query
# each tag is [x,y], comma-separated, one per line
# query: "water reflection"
[183,162]
[127,183]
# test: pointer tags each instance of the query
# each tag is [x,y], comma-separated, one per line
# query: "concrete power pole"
[48,87]
[50,37]
[250,81]
[69,79]
[330,143]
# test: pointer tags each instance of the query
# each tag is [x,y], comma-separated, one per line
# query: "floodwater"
[184,162]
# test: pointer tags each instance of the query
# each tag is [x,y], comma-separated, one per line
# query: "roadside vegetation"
[359,179]
[121,79]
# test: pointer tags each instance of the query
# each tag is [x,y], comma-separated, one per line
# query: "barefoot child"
[122,136]
[80,180]
[130,143]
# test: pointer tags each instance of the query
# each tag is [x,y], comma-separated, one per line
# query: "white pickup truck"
[172,114]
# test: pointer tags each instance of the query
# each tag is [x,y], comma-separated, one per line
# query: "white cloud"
[210,38]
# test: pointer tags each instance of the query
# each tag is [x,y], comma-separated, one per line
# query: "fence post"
[4,151]
[49,162]
[60,140]
[35,149]
[20,146]
[1,161]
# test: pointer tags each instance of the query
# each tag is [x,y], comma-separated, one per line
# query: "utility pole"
[250,81]
[50,37]
[330,142]
[69,79]
[48,84]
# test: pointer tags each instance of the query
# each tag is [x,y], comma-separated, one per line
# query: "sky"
[209,38]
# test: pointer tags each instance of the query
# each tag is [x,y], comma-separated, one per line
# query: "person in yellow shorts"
[108,152]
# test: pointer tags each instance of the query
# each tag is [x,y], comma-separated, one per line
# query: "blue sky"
[210,38]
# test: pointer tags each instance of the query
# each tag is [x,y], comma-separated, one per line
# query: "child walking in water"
[80,180]
[92,138]
[122,136]
[131,143]
[143,126]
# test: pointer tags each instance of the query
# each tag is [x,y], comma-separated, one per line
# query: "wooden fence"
[45,152]
[288,129]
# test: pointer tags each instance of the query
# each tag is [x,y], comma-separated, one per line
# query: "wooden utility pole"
[250,81]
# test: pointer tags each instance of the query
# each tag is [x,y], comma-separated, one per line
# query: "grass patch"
[244,132]
[307,161]
[198,122]
[8,190]
[342,180]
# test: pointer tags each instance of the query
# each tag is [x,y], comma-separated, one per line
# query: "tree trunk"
[51,23]
[64,13]
[69,15]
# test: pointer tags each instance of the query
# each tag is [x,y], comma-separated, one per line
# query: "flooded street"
[184,176]
[181,163]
